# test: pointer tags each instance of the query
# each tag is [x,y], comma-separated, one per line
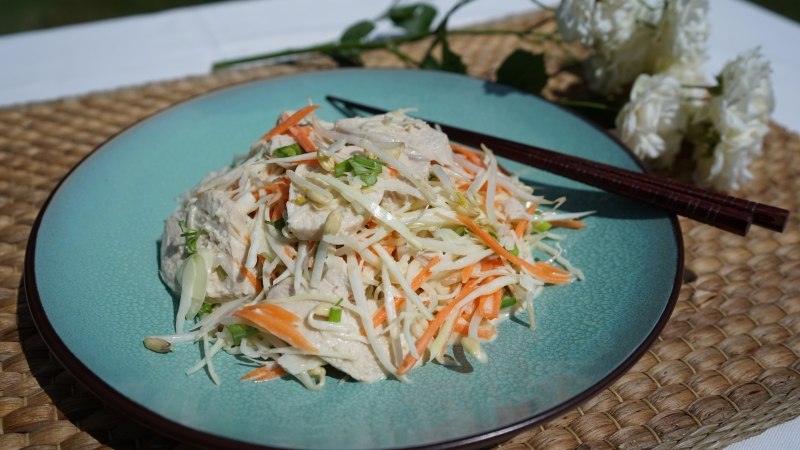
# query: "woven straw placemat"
[724,368]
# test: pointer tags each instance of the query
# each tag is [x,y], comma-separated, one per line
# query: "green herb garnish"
[287,151]
[514,251]
[364,168]
[191,236]
[507,301]
[205,309]
[239,331]
[460,230]
[278,224]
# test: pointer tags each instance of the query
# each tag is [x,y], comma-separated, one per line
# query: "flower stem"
[323,48]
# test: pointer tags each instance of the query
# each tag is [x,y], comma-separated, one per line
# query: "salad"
[368,245]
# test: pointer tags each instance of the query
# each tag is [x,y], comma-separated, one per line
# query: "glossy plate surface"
[94,290]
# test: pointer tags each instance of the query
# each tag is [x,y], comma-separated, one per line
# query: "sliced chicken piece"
[306,220]
[358,361]
[222,230]
[423,143]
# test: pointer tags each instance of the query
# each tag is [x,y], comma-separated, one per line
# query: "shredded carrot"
[291,121]
[380,315]
[425,273]
[264,373]
[276,212]
[494,262]
[252,278]
[392,171]
[540,269]
[573,224]
[281,186]
[469,154]
[302,136]
[433,327]
[490,305]
[466,272]
[484,332]
[521,227]
[277,321]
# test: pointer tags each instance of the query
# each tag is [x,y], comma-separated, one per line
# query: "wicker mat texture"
[724,368]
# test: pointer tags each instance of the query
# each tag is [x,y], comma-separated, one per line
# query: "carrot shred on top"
[291,121]
[573,224]
[425,273]
[278,322]
[264,373]
[540,269]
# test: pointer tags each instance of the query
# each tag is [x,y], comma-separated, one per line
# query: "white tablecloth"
[73,60]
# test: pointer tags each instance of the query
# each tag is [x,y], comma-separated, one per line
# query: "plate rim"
[170,428]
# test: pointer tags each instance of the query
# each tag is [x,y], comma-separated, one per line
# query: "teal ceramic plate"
[92,280]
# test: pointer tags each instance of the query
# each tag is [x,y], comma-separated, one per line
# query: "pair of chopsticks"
[726,212]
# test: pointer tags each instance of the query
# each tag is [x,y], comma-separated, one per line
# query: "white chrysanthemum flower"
[617,22]
[652,123]
[694,82]
[682,35]
[738,117]
[622,32]
[609,71]
[575,21]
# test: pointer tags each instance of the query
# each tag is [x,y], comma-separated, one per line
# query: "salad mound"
[369,245]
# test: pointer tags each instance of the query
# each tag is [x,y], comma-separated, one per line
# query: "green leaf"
[430,63]
[354,34]
[451,62]
[357,32]
[415,19]
[364,168]
[524,71]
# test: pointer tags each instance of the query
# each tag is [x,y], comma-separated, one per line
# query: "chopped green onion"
[278,224]
[191,236]
[335,312]
[514,251]
[460,230]
[364,168]
[507,301]
[542,226]
[205,309]
[287,151]
[239,331]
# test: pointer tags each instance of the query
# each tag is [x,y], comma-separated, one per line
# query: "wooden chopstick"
[722,211]
[763,215]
